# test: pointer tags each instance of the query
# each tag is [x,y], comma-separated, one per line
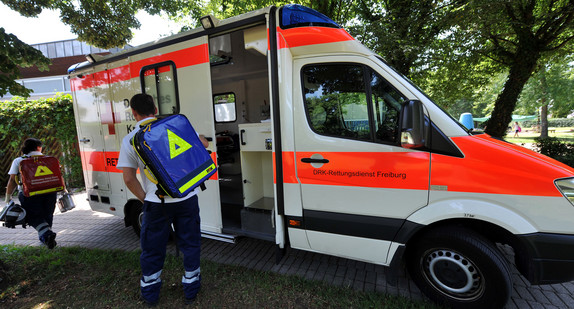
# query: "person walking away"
[517,129]
[157,218]
[39,208]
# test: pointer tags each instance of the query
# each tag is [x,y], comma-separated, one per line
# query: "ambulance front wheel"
[459,268]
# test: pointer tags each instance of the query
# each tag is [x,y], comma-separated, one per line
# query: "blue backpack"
[175,157]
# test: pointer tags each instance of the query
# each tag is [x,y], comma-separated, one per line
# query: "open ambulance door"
[356,182]
[92,106]
[178,77]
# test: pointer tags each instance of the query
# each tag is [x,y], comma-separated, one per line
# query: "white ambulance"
[321,146]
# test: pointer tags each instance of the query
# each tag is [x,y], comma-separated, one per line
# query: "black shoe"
[148,303]
[190,301]
[51,241]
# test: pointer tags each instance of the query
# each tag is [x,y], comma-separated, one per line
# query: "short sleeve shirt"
[129,158]
[15,167]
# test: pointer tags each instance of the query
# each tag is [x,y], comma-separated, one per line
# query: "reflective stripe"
[191,276]
[42,228]
[151,279]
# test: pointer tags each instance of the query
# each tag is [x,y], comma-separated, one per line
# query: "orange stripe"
[304,36]
[182,58]
[399,170]
[497,167]
[99,161]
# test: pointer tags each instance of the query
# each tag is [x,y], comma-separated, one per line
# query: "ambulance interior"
[240,87]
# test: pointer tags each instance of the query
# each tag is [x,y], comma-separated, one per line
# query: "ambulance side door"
[357,184]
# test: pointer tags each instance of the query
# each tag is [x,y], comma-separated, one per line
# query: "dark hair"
[143,104]
[30,144]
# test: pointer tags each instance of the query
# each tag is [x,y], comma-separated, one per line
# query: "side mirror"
[413,130]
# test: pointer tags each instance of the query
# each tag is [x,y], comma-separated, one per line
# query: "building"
[63,54]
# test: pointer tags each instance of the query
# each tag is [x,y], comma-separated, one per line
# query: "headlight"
[566,187]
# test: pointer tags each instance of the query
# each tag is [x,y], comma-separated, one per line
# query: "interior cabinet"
[257,165]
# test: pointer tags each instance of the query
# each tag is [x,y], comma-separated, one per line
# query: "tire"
[459,268]
[136,217]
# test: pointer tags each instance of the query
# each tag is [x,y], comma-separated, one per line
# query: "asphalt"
[82,227]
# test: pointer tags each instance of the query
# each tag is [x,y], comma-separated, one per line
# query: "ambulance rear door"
[357,184]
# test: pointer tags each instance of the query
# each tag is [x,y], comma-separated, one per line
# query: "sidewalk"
[83,227]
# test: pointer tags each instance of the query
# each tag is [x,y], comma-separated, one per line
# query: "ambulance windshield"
[294,15]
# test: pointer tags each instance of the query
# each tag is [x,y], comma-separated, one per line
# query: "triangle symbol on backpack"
[43,171]
[177,145]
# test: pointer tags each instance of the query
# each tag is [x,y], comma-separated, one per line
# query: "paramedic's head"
[142,105]
[31,144]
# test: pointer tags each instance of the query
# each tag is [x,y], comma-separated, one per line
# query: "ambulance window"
[336,100]
[351,101]
[160,81]
[386,102]
[224,107]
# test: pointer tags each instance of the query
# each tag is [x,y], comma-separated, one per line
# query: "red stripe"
[182,58]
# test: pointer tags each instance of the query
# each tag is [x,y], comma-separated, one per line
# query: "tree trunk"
[544,120]
[521,70]
[544,107]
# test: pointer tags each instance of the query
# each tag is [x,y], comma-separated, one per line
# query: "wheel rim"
[140,219]
[453,274]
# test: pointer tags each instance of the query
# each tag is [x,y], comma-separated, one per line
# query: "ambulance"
[321,146]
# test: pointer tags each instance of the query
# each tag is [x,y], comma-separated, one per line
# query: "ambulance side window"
[160,81]
[351,101]
[386,101]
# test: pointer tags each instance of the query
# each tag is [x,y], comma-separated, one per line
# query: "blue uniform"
[156,225]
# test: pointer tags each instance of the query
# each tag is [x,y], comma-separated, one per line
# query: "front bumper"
[550,258]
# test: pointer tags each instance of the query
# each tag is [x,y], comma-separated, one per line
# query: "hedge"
[553,122]
[555,148]
[50,120]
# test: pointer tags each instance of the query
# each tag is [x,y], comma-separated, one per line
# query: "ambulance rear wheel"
[459,268]
[136,217]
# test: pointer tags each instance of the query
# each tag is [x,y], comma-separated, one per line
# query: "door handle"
[311,160]
[241,137]
[85,140]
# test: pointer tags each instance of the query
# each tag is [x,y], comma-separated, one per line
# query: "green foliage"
[15,54]
[554,148]
[52,121]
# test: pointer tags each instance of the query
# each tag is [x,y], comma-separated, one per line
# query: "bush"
[554,148]
[553,122]
[50,120]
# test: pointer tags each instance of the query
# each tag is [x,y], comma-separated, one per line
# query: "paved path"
[85,228]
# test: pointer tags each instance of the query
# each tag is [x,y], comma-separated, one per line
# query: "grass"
[34,277]
[528,135]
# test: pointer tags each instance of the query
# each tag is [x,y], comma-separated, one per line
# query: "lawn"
[34,277]
[528,135]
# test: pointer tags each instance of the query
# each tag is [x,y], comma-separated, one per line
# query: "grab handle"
[241,135]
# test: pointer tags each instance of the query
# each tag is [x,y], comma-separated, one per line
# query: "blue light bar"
[295,15]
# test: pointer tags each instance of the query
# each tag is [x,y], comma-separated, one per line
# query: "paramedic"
[157,220]
[39,208]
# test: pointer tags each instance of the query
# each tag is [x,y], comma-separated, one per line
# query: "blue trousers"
[156,227]
[39,212]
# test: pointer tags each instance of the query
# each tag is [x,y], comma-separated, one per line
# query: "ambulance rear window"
[294,15]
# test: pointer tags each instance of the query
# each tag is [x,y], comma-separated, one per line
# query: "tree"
[101,23]
[338,10]
[15,54]
[516,35]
